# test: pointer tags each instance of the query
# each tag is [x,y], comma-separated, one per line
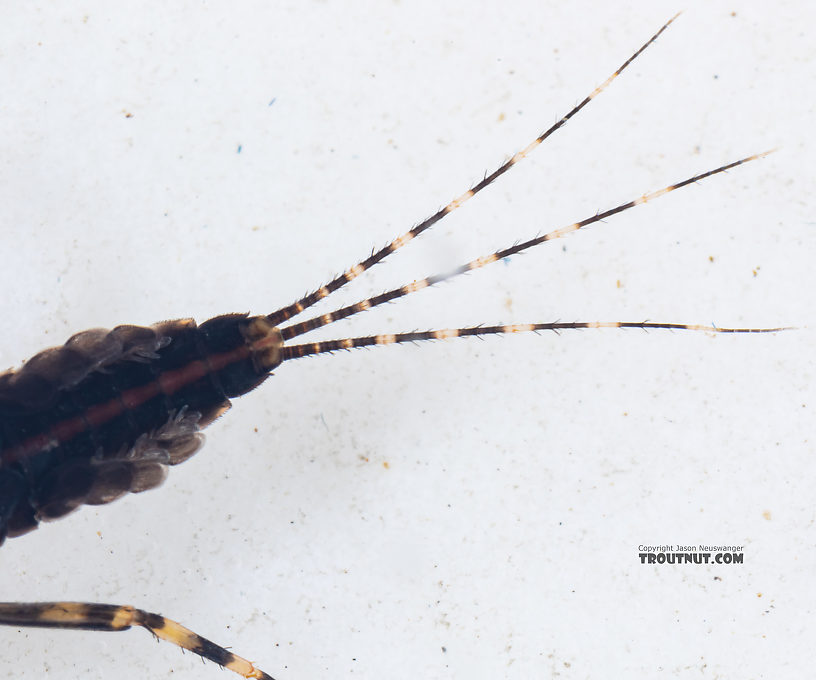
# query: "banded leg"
[110,617]
[307,301]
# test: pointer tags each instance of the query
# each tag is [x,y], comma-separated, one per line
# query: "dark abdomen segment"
[107,412]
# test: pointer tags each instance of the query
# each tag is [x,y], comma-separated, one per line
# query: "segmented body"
[107,412]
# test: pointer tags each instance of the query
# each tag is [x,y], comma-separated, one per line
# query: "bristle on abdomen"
[289,332]
[304,303]
[328,346]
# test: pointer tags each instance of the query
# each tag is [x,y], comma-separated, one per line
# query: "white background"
[463,509]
